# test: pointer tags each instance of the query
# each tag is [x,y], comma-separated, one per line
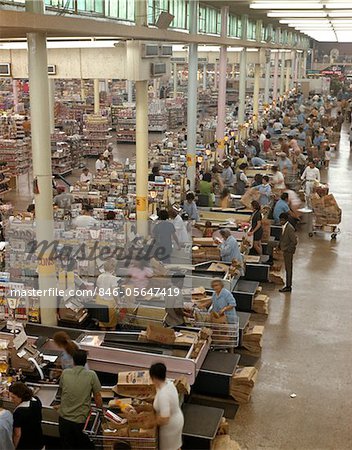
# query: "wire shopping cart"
[106,436]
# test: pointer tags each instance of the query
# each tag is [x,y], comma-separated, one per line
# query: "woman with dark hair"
[27,418]
[68,347]
[164,232]
[169,416]
[256,227]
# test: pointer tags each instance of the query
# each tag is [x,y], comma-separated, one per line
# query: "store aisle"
[307,343]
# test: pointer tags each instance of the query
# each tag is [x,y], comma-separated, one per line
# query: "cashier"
[100,163]
[229,248]
[86,176]
[107,285]
[223,302]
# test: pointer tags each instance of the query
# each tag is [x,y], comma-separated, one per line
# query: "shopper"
[174,304]
[63,199]
[311,176]
[107,283]
[277,180]
[206,188]
[86,176]
[140,273]
[77,385]
[257,180]
[166,404]
[256,229]
[100,163]
[256,161]
[155,173]
[227,175]
[190,207]
[242,159]
[27,418]
[229,248]
[288,244]
[85,219]
[223,302]
[241,180]
[180,227]
[225,199]
[164,233]
[265,191]
[68,347]
[6,429]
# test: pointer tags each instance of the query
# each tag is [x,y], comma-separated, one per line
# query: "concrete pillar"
[142,156]
[15,94]
[216,71]
[242,87]
[83,91]
[129,91]
[276,75]
[41,153]
[142,141]
[288,75]
[267,80]
[282,74]
[222,77]
[204,77]
[304,64]
[233,70]
[174,76]
[52,104]
[256,95]
[96,96]
[192,96]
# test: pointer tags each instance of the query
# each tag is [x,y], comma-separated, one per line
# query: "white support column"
[83,91]
[267,79]
[216,71]
[52,104]
[242,87]
[129,86]
[304,64]
[96,96]
[293,68]
[174,78]
[282,74]
[288,75]
[256,95]
[220,128]
[276,75]
[192,96]
[15,94]
[41,152]
[142,138]
[204,76]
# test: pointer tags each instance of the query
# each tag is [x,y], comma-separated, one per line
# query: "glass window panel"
[122,9]
[81,5]
[112,9]
[130,11]
[99,6]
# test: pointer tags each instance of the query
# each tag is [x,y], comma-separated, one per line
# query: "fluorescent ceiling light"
[338,5]
[286,5]
[297,14]
[60,44]
[340,14]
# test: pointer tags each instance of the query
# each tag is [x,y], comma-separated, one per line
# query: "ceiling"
[322,20]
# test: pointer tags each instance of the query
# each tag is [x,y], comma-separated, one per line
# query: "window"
[178,9]
[251,30]
[235,26]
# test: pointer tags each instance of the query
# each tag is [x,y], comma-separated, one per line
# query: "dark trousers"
[72,436]
[288,260]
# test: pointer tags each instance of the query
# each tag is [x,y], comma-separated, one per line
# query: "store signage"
[332,70]
[141,204]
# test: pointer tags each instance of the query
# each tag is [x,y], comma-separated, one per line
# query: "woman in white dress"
[169,416]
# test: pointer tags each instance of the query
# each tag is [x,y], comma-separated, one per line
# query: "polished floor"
[307,340]
[307,343]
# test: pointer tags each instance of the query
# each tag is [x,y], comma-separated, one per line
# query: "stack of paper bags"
[249,196]
[252,339]
[224,443]
[200,298]
[261,304]
[276,274]
[242,383]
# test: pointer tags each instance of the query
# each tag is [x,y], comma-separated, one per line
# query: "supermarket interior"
[174,219]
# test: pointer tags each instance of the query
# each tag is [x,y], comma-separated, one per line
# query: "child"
[208,231]
[327,157]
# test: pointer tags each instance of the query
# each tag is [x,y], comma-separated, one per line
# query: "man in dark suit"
[288,244]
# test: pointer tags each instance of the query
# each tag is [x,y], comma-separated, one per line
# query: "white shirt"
[278,126]
[106,153]
[262,138]
[181,230]
[311,174]
[278,181]
[86,178]
[99,165]
[107,282]
[85,222]
[284,228]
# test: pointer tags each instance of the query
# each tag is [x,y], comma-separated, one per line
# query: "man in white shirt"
[100,163]
[311,176]
[85,220]
[277,180]
[262,137]
[86,176]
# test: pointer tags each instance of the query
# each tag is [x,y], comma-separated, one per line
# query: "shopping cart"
[224,335]
[106,436]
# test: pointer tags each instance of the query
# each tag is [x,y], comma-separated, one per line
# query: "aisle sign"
[190,159]
[141,203]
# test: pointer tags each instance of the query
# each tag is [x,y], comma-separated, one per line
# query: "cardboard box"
[135,384]
[160,334]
